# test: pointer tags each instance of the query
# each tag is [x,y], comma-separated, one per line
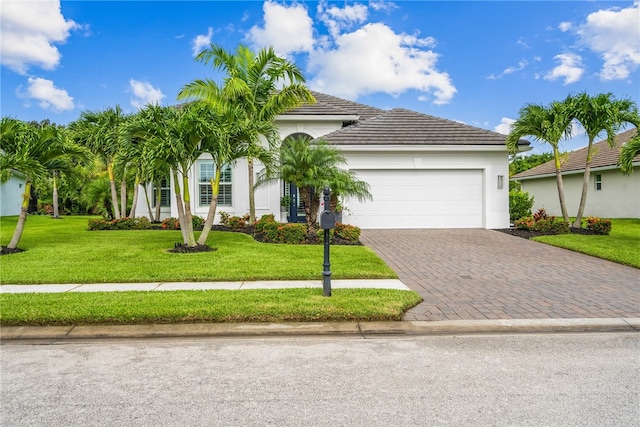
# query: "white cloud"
[386,6]
[371,58]
[376,59]
[521,65]
[570,68]
[144,94]
[48,96]
[338,19]
[201,41]
[287,29]
[565,26]
[505,126]
[614,34]
[29,31]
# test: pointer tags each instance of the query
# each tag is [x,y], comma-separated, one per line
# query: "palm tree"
[33,152]
[174,137]
[597,115]
[100,132]
[258,87]
[628,152]
[314,165]
[546,124]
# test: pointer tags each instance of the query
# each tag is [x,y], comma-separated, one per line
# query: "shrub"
[525,223]
[551,225]
[348,232]
[284,233]
[141,223]
[540,214]
[263,222]
[520,204]
[170,223]
[598,225]
[542,223]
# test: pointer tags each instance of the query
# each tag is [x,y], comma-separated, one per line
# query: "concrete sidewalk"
[185,286]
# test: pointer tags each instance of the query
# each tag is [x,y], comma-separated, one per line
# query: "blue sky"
[476,62]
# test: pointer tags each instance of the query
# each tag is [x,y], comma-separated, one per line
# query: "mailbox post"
[327,222]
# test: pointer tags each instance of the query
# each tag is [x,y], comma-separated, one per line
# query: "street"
[523,380]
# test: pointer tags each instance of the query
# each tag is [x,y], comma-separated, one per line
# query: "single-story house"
[424,171]
[11,193]
[611,194]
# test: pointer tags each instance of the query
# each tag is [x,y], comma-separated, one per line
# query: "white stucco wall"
[491,163]
[11,196]
[618,198]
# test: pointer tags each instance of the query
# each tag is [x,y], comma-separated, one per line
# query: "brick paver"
[486,274]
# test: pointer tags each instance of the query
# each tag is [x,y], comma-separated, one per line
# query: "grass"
[204,306]
[622,245]
[63,251]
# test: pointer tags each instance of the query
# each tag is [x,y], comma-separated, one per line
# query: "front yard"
[622,245]
[63,251]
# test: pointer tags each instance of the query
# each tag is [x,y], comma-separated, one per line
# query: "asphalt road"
[523,380]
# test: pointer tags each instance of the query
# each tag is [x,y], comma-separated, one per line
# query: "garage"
[420,198]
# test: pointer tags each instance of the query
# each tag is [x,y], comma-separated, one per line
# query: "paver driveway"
[486,274]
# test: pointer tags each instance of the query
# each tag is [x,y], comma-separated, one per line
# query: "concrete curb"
[361,329]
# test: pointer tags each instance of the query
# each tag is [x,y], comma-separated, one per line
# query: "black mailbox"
[327,220]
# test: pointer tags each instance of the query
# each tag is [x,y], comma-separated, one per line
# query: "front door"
[296,210]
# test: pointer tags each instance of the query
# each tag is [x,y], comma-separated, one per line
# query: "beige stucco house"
[611,194]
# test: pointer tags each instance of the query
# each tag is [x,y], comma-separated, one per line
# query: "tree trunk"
[563,202]
[208,223]
[22,219]
[56,208]
[158,197]
[188,220]
[252,198]
[311,204]
[134,202]
[114,192]
[146,198]
[585,186]
[123,197]
[180,206]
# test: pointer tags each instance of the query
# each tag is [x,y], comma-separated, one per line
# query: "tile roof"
[603,157]
[404,127]
[331,105]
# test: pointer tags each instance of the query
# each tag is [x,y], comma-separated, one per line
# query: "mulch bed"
[527,234]
[6,251]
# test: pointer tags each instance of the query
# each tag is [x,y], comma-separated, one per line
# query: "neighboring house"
[11,195]
[424,171]
[611,193]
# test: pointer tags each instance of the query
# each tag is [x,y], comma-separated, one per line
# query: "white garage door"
[420,199]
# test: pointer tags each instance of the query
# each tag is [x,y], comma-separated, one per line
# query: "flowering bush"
[284,233]
[234,222]
[263,222]
[347,232]
[170,223]
[598,225]
[543,223]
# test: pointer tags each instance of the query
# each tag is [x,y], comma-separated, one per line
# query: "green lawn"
[63,251]
[270,305]
[622,245]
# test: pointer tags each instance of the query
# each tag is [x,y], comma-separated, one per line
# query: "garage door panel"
[420,199]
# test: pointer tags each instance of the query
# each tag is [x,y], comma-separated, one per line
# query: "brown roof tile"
[405,127]
[331,105]
[603,157]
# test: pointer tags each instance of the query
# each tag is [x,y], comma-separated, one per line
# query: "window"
[598,182]
[206,172]
[165,193]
